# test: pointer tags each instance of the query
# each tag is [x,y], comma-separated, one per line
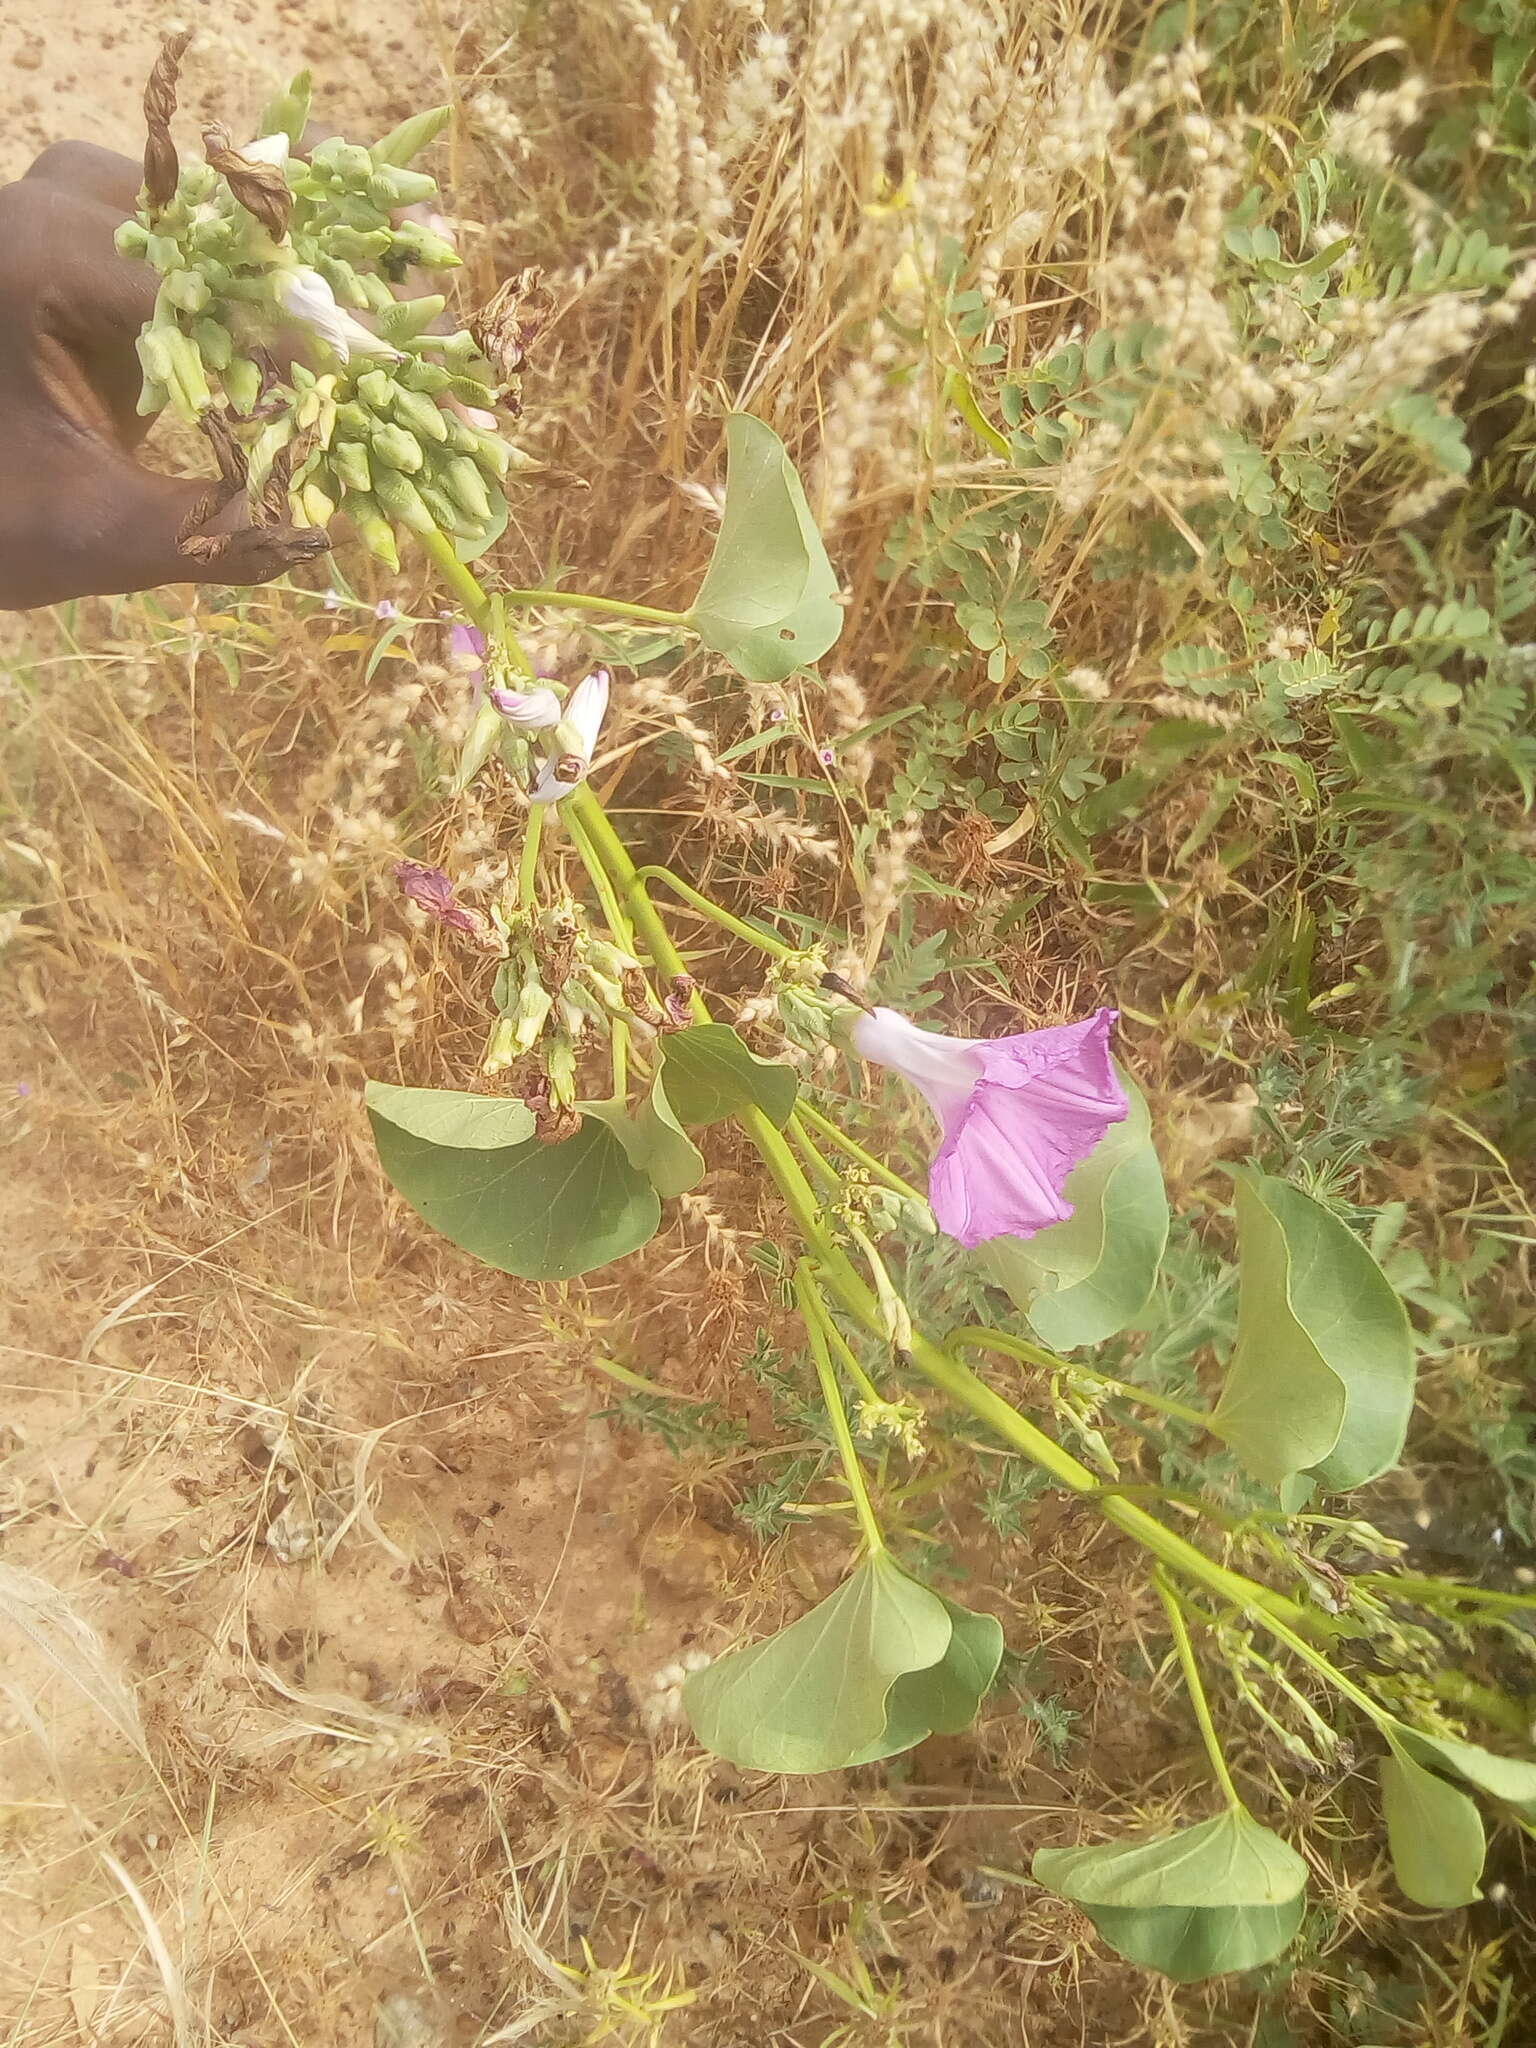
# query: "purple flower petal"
[1018,1113]
[466,649]
[430,890]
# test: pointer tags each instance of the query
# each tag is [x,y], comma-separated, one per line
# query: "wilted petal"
[1018,1113]
[528,710]
[431,890]
[268,149]
[580,724]
[305,295]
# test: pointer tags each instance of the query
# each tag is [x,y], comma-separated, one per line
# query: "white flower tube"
[577,735]
[305,295]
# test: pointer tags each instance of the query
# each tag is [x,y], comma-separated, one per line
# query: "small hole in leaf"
[786,632]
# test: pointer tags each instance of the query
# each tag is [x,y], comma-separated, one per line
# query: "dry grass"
[397,1605]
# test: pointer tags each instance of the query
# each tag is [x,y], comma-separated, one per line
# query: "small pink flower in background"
[386,609]
[430,890]
[1018,1114]
[528,710]
[466,650]
[331,602]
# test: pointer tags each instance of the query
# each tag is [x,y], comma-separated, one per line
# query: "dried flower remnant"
[259,187]
[431,891]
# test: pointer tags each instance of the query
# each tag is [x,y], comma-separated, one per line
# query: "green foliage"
[710,1074]
[540,1211]
[1435,1833]
[768,601]
[818,1695]
[1223,1896]
[1321,1384]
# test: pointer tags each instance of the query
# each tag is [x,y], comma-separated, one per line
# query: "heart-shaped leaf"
[1502,1777]
[768,599]
[709,1075]
[1225,1895]
[945,1698]
[470,1123]
[1321,1383]
[1228,1861]
[542,1212]
[1083,1280]
[814,1697]
[1192,1943]
[1435,1832]
[654,1141]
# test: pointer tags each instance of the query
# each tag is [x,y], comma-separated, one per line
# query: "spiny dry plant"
[408,1562]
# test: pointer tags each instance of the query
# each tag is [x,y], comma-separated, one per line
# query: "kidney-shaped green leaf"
[1083,1280]
[1191,1943]
[945,1698]
[542,1212]
[1434,1831]
[1321,1382]
[1503,1777]
[1228,1861]
[813,1697]
[654,1141]
[472,1123]
[768,599]
[1225,1895]
[710,1074]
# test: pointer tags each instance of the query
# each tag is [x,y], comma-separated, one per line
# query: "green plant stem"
[835,1135]
[963,398]
[597,871]
[1396,1584]
[614,854]
[814,1315]
[585,601]
[764,941]
[976,1337]
[817,1161]
[868,1391]
[462,580]
[943,1371]
[528,859]
[1195,1687]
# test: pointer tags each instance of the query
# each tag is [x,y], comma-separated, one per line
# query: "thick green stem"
[814,1315]
[764,941]
[977,1338]
[464,583]
[612,851]
[528,859]
[584,601]
[1196,1689]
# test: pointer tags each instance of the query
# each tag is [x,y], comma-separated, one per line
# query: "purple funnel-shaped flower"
[1018,1114]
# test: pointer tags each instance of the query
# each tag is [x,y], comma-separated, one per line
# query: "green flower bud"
[213,344]
[415,410]
[408,318]
[399,499]
[288,113]
[417,375]
[349,460]
[392,187]
[465,485]
[241,379]
[132,238]
[396,447]
[373,528]
[411,137]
